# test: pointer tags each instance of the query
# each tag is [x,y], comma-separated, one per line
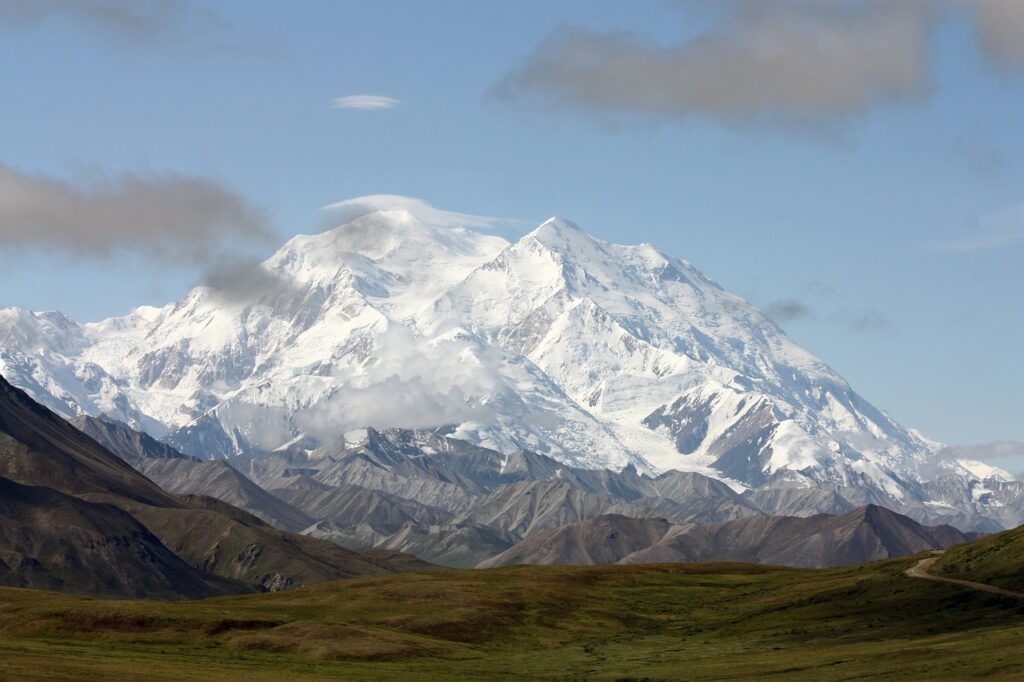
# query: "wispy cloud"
[866,320]
[983,159]
[826,307]
[986,451]
[366,102]
[818,288]
[164,215]
[1006,454]
[996,231]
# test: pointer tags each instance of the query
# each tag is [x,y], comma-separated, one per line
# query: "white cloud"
[365,102]
[411,383]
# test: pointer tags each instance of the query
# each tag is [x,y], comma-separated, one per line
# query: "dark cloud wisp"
[788,62]
[867,321]
[164,215]
[784,62]
[998,230]
[127,19]
[246,281]
[787,310]
[1000,27]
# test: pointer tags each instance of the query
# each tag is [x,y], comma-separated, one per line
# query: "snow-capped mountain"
[597,354]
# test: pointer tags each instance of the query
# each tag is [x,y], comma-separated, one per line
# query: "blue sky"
[871,200]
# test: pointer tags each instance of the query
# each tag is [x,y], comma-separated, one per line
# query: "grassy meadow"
[684,621]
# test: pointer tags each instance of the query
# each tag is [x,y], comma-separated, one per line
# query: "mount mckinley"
[596,355]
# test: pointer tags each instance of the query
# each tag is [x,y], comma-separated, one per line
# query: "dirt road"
[920,570]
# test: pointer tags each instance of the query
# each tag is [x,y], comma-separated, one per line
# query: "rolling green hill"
[686,621]
[996,559]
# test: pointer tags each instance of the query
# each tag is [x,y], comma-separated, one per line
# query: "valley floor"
[682,621]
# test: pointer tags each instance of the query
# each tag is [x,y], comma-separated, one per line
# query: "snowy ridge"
[597,354]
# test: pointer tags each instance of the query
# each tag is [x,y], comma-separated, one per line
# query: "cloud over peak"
[350,209]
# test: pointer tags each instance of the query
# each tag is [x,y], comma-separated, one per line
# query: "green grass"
[687,621]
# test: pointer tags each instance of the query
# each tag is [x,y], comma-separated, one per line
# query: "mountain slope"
[178,473]
[865,534]
[605,539]
[53,541]
[348,505]
[130,445]
[452,545]
[223,482]
[38,448]
[798,501]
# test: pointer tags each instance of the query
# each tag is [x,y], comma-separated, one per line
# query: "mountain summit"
[597,354]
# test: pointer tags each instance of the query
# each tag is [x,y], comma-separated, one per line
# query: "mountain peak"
[557,231]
